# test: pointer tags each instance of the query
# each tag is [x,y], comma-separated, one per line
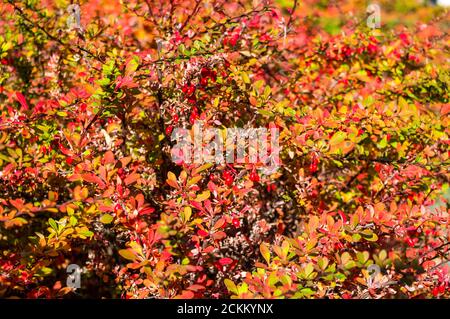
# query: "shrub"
[87,108]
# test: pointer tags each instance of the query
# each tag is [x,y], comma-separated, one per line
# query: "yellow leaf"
[203,196]
[265,252]
[186,214]
[194,180]
[230,286]
[127,254]
[172,180]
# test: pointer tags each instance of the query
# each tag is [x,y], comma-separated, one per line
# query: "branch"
[194,12]
[52,37]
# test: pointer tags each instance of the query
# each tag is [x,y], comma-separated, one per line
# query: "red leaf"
[225,261]
[202,233]
[91,178]
[22,101]
[108,158]
[196,287]
[445,109]
[219,235]
[132,178]
[146,211]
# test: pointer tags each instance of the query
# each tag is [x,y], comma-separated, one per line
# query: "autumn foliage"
[86,176]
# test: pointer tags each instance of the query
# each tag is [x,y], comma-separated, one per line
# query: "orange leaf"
[132,178]
[172,180]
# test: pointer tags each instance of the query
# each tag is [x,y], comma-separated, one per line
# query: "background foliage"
[85,170]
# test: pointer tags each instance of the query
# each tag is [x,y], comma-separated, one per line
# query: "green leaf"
[337,138]
[73,221]
[53,224]
[369,235]
[86,233]
[106,219]
[44,271]
[362,256]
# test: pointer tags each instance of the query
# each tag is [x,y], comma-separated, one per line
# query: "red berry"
[435,291]
[254,177]
[313,165]
[193,118]
[169,129]
[236,222]
[441,289]
[410,242]
[204,72]
[228,178]
[372,49]
[175,118]
[388,137]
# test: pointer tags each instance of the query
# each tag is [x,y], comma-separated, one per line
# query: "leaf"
[86,233]
[285,248]
[127,254]
[230,286]
[22,101]
[194,180]
[203,196]
[196,287]
[108,158]
[245,78]
[309,271]
[91,178]
[172,180]
[445,109]
[369,235]
[265,252]
[225,261]
[132,178]
[362,257]
[373,238]
[73,221]
[337,138]
[18,221]
[219,235]
[132,65]
[186,214]
[106,219]
[53,224]
[201,168]
[219,223]
[44,271]
[345,258]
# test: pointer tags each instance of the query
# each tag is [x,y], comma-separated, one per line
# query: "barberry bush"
[90,93]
